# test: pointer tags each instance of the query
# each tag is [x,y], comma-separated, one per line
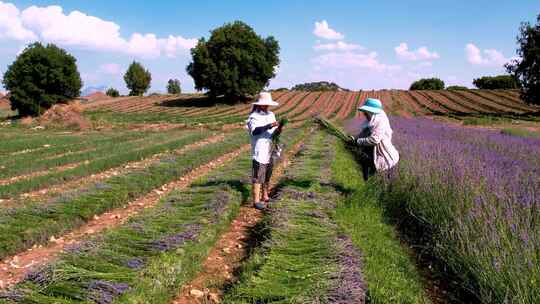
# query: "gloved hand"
[352,138]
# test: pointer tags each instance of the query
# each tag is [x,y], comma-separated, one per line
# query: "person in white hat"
[262,126]
[376,139]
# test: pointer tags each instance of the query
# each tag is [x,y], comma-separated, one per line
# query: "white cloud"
[11,26]
[110,69]
[324,31]
[350,60]
[422,53]
[76,29]
[338,46]
[489,57]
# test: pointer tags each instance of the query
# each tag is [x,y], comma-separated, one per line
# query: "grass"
[162,117]
[520,132]
[147,259]
[22,164]
[389,270]
[35,223]
[119,155]
[298,259]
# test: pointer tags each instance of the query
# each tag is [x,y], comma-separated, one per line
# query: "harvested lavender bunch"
[104,292]
[135,263]
[102,186]
[349,286]
[12,295]
[174,241]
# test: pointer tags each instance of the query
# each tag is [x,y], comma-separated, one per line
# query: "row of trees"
[503,82]
[43,75]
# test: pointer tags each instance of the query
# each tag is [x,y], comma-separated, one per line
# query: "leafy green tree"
[112,92]
[428,84]
[457,88]
[40,77]
[137,79]
[527,69]
[235,61]
[496,82]
[173,87]
[318,86]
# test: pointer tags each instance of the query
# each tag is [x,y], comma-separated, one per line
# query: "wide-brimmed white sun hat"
[265,99]
[372,105]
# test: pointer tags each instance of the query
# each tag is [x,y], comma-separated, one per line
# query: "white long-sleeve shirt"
[385,155]
[261,144]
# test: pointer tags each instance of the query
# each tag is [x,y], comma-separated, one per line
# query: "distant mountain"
[318,86]
[89,90]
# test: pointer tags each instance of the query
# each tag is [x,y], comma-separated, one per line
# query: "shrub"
[318,86]
[527,71]
[496,82]
[112,92]
[40,77]
[235,61]
[457,88]
[428,84]
[137,79]
[173,87]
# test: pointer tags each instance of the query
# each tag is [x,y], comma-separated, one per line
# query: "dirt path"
[13,269]
[228,253]
[123,169]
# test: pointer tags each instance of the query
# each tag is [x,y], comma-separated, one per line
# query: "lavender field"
[473,196]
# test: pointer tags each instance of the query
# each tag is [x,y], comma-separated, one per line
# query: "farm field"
[138,208]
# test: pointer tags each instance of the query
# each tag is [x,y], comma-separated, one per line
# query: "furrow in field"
[23,165]
[422,104]
[348,106]
[232,248]
[465,105]
[106,102]
[401,106]
[35,222]
[414,107]
[474,101]
[100,177]
[319,105]
[442,102]
[14,268]
[91,166]
[304,105]
[292,103]
[502,103]
[333,104]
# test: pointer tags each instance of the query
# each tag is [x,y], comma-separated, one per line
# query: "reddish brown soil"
[225,258]
[13,269]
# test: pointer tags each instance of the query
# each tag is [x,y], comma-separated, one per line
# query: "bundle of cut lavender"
[334,130]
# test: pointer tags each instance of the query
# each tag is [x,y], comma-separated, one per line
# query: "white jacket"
[261,144]
[385,155]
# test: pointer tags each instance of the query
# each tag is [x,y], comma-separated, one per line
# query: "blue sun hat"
[372,105]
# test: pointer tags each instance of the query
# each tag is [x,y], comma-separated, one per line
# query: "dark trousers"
[368,163]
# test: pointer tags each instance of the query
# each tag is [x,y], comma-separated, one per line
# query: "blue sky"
[358,44]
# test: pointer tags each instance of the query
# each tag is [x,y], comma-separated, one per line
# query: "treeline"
[503,82]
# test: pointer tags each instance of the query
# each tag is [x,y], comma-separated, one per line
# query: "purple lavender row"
[481,190]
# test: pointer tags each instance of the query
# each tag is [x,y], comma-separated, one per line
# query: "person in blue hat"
[376,139]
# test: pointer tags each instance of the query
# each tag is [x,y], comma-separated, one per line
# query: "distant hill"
[89,90]
[318,86]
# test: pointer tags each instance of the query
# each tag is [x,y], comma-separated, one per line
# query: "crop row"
[35,222]
[148,258]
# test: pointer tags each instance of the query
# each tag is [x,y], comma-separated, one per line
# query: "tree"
[318,86]
[40,77]
[527,70]
[112,92]
[428,84]
[173,87]
[137,79]
[496,82]
[457,88]
[235,61]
